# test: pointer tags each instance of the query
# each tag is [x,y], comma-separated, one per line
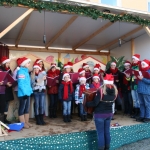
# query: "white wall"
[124,50]
[142,47]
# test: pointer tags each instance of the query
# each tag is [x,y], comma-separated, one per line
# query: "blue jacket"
[144,86]
[61,93]
[24,83]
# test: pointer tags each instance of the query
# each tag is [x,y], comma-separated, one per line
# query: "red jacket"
[53,89]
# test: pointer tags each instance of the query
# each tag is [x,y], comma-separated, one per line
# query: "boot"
[138,113]
[82,118]
[68,118]
[107,147]
[22,119]
[41,119]
[54,113]
[135,113]
[85,117]
[65,118]
[5,119]
[27,120]
[38,122]
[50,113]
[140,119]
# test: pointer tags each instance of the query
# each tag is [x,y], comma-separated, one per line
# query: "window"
[111,2]
[149,6]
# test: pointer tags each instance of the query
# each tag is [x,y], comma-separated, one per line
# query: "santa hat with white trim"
[82,79]
[97,67]
[85,65]
[38,61]
[4,60]
[127,63]
[146,62]
[64,75]
[96,76]
[109,79]
[36,65]
[70,64]
[136,56]
[53,65]
[23,61]
[66,66]
[81,70]
[113,63]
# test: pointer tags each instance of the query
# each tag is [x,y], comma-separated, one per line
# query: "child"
[81,72]
[41,64]
[96,82]
[24,91]
[8,96]
[102,104]
[65,94]
[38,80]
[85,66]
[79,96]
[53,91]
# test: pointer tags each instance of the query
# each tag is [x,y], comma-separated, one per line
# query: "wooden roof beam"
[54,50]
[122,37]
[22,29]
[61,31]
[16,22]
[93,35]
[147,30]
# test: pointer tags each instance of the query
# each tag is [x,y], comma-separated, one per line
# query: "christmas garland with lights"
[79,10]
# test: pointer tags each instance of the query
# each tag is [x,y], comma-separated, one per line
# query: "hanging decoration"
[79,10]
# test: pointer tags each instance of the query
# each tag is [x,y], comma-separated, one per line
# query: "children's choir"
[133,90]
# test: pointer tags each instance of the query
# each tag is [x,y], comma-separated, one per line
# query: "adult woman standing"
[103,102]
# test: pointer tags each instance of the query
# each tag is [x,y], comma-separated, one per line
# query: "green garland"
[80,10]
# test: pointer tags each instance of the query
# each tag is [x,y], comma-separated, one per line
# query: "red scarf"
[66,92]
[114,71]
[145,69]
[125,81]
[96,85]
[7,68]
[135,64]
[81,90]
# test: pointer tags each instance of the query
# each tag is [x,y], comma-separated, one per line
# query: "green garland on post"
[79,10]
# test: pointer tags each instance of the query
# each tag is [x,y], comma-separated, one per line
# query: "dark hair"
[64,70]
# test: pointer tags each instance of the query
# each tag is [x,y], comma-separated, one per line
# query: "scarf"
[145,69]
[96,85]
[135,64]
[7,68]
[81,90]
[114,71]
[66,92]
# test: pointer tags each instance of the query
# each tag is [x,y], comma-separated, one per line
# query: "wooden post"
[132,48]
[59,56]
[16,22]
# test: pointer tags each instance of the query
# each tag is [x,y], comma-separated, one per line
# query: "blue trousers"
[103,131]
[144,105]
[66,107]
[136,103]
[82,111]
[24,105]
[39,98]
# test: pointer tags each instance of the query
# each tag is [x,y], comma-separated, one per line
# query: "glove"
[77,102]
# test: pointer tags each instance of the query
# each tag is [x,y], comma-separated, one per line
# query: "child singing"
[96,82]
[85,66]
[65,94]
[38,80]
[24,91]
[79,96]
[53,91]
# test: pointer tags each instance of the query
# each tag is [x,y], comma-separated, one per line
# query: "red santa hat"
[70,64]
[113,63]
[82,79]
[66,66]
[97,67]
[127,63]
[109,79]
[64,75]
[85,65]
[96,76]
[53,65]
[146,62]
[23,61]
[136,56]
[36,65]
[4,60]
[38,61]
[81,70]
